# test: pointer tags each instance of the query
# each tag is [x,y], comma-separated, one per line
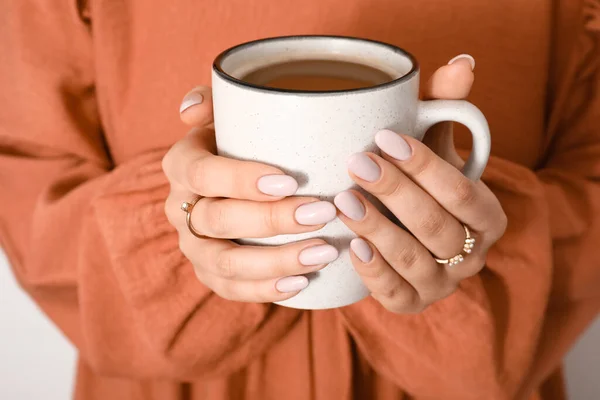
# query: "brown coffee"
[317,75]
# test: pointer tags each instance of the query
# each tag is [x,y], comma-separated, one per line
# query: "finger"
[263,291]
[384,283]
[430,223]
[173,211]
[196,108]
[191,164]
[470,202]
[232,219]
[229,260]
[452,82]
[398,247]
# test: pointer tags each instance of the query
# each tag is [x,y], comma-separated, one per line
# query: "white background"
[36,362]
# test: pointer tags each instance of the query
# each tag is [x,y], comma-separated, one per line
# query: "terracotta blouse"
[89,97]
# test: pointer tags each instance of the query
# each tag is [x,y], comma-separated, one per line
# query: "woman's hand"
[240,199]
[431,198]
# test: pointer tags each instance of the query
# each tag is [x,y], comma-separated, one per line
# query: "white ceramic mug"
[310,135]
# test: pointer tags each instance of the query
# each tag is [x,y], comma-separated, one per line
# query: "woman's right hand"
[240,199]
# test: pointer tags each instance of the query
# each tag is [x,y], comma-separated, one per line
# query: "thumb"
[450,82]
[196,108]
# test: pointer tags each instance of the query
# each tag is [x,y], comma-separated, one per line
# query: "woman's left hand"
[432,199]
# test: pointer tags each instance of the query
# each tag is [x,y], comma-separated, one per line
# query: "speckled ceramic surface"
[311,135]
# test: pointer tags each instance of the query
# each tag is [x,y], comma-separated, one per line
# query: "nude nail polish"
[350,205]
[277,185]
[191,99]
[291,284]
[364,167]
[362,250]
[467,57]
[317,255]
[317,213]
[393,145]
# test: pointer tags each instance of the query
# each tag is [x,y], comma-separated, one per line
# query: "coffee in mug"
[317,75]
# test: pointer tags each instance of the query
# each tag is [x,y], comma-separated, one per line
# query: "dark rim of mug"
[219,60]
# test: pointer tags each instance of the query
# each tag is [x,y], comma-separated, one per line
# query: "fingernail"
[350,205]
[277,185]
[190,99]
[364,167]
[291,284]
[467,57]
[393,144]
[319,212]
[317,255]
[362,250]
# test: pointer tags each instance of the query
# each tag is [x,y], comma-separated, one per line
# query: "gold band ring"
[460,257]
[187,207]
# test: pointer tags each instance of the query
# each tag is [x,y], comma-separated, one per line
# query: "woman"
[87,118]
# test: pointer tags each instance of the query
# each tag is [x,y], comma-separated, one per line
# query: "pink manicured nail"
[317,255]
[364,167]
[291,284]
[350,205]
[393,144]
[277,185]
[191,99]
[317,213]
[362,250]
[467,57]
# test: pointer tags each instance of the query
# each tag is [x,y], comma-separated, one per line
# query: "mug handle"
[432,112]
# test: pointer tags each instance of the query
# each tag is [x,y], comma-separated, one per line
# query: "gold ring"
[187,208]
[460,257]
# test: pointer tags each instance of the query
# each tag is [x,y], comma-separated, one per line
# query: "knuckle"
[372,272]
[280,262]
[237,178]
[398,300]
[226,265]
[392,292]
[420,165]
[465,192]
[392,188]
[433,223]
[272,219]
[406,257]
[369,227]
[276,263]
